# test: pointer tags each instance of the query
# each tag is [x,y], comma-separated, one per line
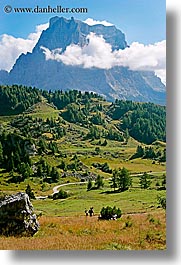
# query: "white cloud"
[98,53]
[94,54]
[11,47]
[39,28]
[162,74]
[92,22]
[139,57]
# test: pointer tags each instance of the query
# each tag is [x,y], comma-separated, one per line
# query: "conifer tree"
[99,183]
[29,191]
[89,185]
[145,182]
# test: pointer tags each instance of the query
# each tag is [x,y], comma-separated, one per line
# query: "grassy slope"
[133,201]
[54,233]
[135,232]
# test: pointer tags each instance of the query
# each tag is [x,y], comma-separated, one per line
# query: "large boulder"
[17,216]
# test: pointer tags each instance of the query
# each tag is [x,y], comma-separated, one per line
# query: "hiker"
[91,211]
[86,212]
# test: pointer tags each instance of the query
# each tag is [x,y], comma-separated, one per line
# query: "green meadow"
[95,144]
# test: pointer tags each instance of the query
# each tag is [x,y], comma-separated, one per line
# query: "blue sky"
[140,20]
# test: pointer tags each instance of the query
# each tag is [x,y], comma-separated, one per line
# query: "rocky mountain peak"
[33,69]
[63,32]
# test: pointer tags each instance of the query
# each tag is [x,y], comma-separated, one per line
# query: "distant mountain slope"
[145,122]
[33,69]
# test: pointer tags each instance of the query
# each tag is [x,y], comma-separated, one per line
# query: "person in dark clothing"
[91,211]
[86,212]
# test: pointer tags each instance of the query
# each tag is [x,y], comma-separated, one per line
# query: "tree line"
[17,98]
[145,122]
[149,152]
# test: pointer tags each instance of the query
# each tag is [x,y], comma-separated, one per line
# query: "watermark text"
[48,9]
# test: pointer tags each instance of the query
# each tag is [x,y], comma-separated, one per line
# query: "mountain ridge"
[32,69]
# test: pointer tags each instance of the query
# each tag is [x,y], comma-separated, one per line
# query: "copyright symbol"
[7,9]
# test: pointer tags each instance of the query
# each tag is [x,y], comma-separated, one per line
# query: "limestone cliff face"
[32,69]
[62,32]
[17,216]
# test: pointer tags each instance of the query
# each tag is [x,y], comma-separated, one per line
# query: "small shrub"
[82,180]
[60,195]
[162,201]
[128,224]
[152,220]
[150,236]
[157,184]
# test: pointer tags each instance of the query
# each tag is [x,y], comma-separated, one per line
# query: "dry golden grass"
[131,232]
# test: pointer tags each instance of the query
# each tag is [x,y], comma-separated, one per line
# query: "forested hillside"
[16,99]
[145,122]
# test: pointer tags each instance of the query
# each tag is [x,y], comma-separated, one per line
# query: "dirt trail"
[56,188]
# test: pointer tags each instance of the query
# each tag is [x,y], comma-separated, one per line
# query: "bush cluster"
[108,213]
[60,195]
